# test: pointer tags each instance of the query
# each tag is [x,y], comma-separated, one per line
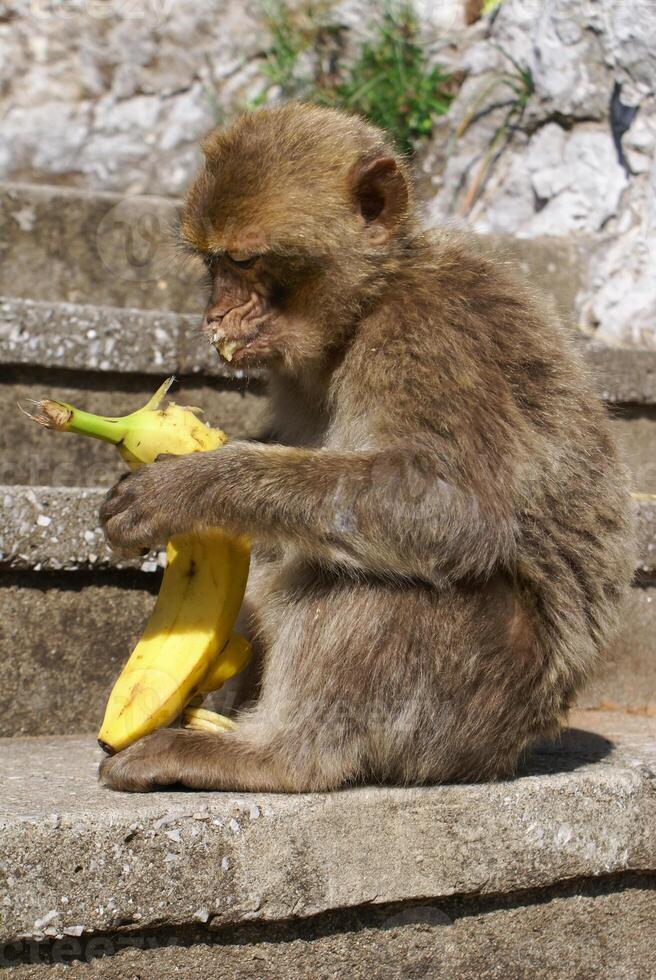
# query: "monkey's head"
[301,214]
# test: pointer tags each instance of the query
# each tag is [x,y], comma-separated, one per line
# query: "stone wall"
[115,94]
[560,169]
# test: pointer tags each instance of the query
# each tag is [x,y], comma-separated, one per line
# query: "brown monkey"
[444,528]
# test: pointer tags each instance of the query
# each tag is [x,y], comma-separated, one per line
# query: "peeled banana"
[187,649]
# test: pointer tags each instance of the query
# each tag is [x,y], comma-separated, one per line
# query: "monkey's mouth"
[236,348]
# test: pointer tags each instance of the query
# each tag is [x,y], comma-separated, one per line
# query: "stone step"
[56,528]
[90,337]
[77,246]
[438,879]
[86,337]
[71,611]
[71,352]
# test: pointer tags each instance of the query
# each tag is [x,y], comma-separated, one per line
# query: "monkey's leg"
[368,681]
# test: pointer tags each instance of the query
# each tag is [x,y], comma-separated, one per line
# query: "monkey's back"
[474,366]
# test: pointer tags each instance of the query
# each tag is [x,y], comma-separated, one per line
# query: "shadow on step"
[571,750]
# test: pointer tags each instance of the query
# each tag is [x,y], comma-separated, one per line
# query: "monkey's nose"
[211,320]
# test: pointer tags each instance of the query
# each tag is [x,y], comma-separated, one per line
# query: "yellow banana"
[186,649]
[207,721]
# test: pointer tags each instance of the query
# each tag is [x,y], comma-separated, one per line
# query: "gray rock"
[116,94]
[557,171]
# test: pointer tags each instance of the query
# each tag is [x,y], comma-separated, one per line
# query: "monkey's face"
[260,308]
[295,214]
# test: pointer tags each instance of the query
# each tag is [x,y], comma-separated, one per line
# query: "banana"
[201,720]
[187,649]
[140,437]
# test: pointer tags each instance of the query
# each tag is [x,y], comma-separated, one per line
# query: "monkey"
[441,521]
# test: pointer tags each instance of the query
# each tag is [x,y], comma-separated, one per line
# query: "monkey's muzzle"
[227,347]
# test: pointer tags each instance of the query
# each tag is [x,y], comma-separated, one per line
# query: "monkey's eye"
[243,262]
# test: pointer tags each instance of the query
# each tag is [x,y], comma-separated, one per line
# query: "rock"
[577,179]
[557,170]
[117,95]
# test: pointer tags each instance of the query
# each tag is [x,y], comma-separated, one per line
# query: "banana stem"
[66,418]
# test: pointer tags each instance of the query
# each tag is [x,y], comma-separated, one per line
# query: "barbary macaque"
[443,530]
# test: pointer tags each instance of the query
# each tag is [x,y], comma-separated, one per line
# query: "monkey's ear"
[381,195]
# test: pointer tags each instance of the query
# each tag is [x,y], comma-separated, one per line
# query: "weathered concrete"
[64,637]
[57,528]
[578,931]
[635,429]
[75,855]
[556,266]
[85,337]
[646,511]
[63,645]
[81,247]
[97,338]
[627,678]
[118,250]
[53,528]
[622,374]
[30,455]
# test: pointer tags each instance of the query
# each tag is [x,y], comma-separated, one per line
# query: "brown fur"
[443,527]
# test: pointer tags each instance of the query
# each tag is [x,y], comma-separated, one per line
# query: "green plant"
[303,59]
[391,82]
[521,85]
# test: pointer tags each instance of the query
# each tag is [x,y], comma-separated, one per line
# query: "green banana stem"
[66,418]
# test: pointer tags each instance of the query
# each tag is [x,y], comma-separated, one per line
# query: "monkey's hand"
[148,507]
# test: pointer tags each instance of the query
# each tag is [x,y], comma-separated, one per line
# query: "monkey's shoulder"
[461,340]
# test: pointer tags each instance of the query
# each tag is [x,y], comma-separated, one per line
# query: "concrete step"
[109,339]
[440,880]
[110,359]
[119,250]
[82,608]
[56,529]
[87,247]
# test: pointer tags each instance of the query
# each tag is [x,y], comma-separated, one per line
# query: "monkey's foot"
[165,758]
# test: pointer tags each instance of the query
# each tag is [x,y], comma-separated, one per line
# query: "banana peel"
[187,649]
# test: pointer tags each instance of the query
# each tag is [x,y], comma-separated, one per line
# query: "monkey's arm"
[390,512]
